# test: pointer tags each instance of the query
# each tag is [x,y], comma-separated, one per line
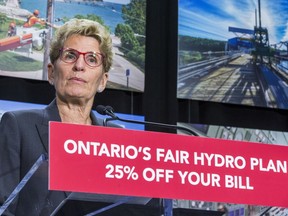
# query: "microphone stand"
[23,182]
[167,203]
[105,121]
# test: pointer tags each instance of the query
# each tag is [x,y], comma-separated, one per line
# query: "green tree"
[134,14]
[128,39]
[132,32]
[3,20]
[89,17]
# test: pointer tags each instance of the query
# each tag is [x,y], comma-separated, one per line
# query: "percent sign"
[131,173]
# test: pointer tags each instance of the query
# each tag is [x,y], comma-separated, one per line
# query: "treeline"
[132,32]
[192,49]
[187,43]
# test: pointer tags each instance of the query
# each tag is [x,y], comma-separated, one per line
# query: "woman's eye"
[92,59]
[70,55]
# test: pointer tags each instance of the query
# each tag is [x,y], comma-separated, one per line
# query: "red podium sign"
[105,160]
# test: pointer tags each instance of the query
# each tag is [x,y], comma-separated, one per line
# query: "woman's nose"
[79,65]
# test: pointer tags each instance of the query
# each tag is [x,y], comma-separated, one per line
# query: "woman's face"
[78,80]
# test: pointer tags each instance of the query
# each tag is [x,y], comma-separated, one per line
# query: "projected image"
[234,52]
[256,137]
[240,134]
[27,27]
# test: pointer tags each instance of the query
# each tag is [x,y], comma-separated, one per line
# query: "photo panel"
[253,136]
[24,48]
[233,52]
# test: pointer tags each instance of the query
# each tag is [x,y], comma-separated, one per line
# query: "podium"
[195,212]
[89,204]
[129,165]
[84,203]
[93,204]
[115,205]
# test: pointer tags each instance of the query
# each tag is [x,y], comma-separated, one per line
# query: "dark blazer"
[23,138]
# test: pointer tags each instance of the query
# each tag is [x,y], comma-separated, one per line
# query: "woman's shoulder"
[26,115]
[30,114]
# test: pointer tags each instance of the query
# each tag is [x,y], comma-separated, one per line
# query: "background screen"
[24,51]
[233,52]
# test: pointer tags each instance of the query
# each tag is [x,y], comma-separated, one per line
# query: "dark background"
[159,102]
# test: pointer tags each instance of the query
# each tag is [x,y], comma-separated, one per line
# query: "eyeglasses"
[93,59]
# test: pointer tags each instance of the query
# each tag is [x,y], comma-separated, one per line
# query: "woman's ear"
[50,68]
[103,82]
[100,89]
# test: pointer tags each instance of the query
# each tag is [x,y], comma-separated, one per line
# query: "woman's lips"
[76,79]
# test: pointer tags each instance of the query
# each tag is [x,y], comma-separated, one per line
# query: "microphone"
[108,110]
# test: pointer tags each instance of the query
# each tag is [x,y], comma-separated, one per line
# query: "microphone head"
[110,109]
[106,110]
[101,109]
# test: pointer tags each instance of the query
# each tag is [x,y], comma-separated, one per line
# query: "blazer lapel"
[50,113]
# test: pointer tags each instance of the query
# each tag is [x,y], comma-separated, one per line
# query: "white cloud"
[214,18]
[285,37]
[119,1]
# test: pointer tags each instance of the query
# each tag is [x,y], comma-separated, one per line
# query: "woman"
[81,56]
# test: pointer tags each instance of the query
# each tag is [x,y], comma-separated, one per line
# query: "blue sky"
[211,19]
